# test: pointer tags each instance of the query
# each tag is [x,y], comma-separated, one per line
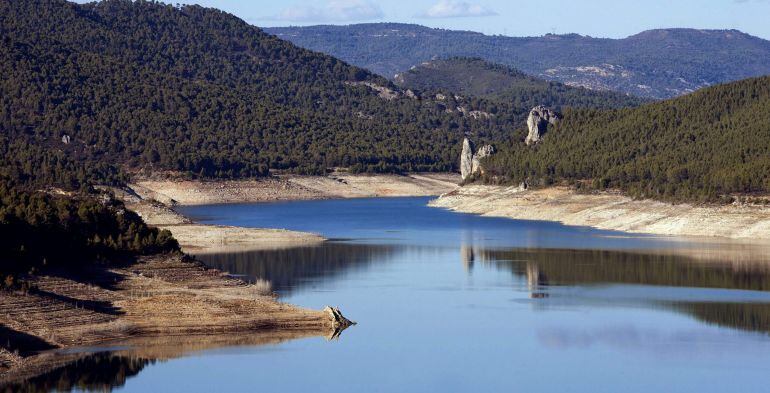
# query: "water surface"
[457,302]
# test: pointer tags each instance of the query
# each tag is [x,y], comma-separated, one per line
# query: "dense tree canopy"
[88,91]
[42,230]
[705,146]
[146,85]
[478,78]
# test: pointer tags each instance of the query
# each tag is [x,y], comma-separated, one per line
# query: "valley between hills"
[115,115]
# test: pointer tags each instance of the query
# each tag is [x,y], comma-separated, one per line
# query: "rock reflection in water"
[544,269]
[582,267]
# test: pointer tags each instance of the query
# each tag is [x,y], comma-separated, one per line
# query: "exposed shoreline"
[293,187]
[611,211]
[195,238]
[173,296]
[154,201]
[156,296]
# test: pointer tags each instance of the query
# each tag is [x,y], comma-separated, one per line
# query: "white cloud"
[332,11]
[456,9]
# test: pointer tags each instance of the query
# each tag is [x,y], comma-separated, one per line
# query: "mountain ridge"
[660,63]
[478,78]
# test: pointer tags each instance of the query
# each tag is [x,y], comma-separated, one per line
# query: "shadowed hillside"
[657,63]
[476,77]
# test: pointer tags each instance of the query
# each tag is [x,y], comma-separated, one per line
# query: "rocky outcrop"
[537,122]
[466,159]
[476,115]
[484,151]
[470,163]
[383,92]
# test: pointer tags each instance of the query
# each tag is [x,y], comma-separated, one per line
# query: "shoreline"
[198,238]
[611,211]
[154,296]
[154,201]
[294,188]
[173,296]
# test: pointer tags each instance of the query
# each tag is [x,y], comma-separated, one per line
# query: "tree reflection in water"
[545,269]
[100,371]
[544,273]
[289,268]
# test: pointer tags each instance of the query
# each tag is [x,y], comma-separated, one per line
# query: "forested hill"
[86,89]
[476,77]
[707,146]
[657,63]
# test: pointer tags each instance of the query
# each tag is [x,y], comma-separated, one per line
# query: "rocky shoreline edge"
[611,211]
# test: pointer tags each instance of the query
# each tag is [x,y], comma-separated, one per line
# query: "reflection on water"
[580,267]
[453,302]
[745,316]
[545,272]
[735,309]
[289,268]
[100,371]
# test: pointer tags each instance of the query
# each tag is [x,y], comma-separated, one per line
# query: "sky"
[597,18]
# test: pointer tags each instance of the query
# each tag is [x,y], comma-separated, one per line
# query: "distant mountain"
[705,146]
[478,78]
[658,63]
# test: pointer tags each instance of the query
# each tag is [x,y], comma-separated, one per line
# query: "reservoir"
[456,302]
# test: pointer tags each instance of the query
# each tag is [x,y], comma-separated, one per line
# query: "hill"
[91,92]
[141,85]
[476,77]
[656,64]
[707,146]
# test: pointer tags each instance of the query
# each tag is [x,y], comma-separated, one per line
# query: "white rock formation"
[470,163]
[382,91]
[484,151]
[538,120]
[466,159]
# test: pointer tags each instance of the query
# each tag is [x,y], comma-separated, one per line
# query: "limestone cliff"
[484,151]
[470,163]
[466,159]
[538,120]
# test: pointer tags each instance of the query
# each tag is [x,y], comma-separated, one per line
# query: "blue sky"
[598,18]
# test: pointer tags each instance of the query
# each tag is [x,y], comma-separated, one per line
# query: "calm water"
[455,302]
